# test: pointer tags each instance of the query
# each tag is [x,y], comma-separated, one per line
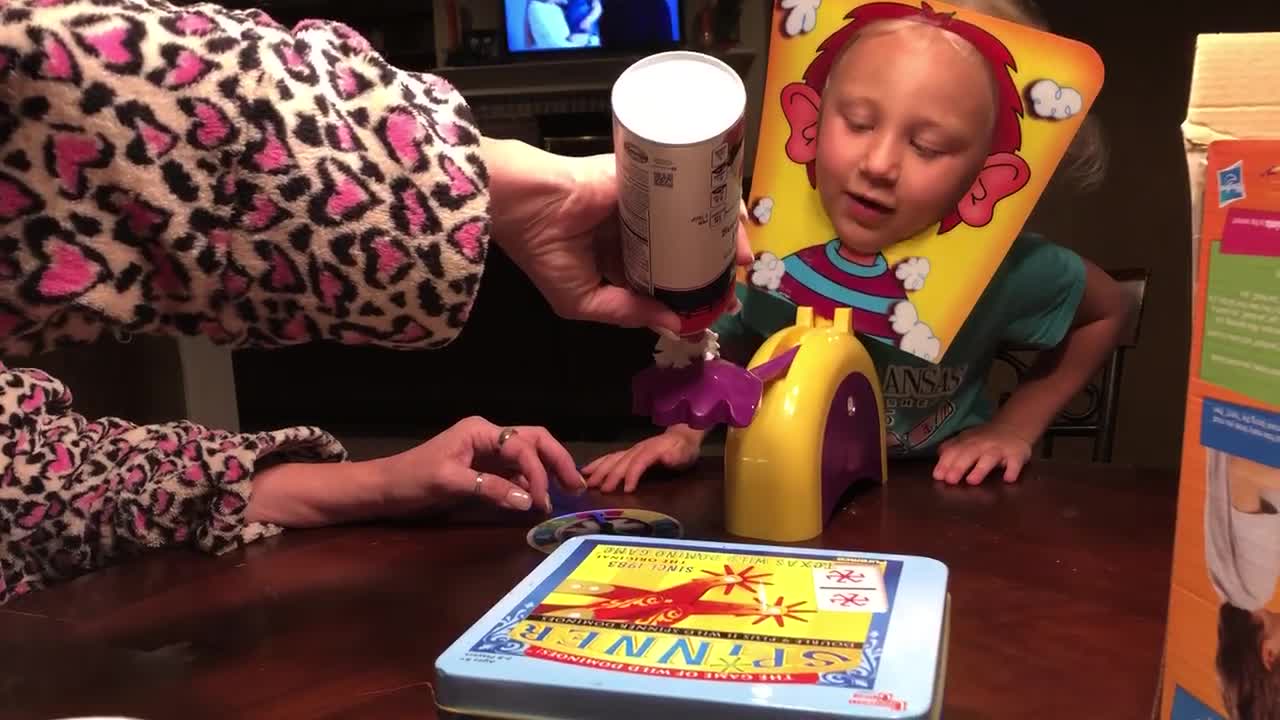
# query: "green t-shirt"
[1031,300]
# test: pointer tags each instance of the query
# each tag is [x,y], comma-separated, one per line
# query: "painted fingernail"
[582,482]
[518,500]
[546,501]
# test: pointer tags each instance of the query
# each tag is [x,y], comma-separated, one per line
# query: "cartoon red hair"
[1004,172]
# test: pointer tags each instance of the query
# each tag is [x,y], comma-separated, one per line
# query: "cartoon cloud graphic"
[1053,102]
[762,210]
[917,338]
[802,15]
[767,271]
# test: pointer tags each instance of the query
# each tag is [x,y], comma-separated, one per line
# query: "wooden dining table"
[1059,589]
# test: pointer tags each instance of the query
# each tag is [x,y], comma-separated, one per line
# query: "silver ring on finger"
[505,435]
[479,484]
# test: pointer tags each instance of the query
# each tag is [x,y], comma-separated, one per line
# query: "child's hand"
[977,451]
[677,448]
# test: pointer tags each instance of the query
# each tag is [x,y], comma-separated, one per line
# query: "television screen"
[559,25]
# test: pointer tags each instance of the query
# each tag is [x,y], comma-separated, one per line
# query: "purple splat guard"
[705,393]
[701,395]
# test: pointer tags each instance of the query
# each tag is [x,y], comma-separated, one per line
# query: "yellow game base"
[773,467]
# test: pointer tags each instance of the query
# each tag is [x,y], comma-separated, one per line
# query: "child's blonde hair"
[909,25]
[1085,162]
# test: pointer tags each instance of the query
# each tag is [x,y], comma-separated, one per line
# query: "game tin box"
[625,627]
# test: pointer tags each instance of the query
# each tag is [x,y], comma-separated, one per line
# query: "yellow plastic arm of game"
[819,429]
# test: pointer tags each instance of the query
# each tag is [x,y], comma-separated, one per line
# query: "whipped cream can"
[678,128]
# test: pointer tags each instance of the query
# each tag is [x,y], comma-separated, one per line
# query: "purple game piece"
[705,393]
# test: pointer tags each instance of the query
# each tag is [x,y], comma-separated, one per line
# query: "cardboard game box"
[625,627]
[1222,652]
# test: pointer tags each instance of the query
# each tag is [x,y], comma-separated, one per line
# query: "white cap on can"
[679,98]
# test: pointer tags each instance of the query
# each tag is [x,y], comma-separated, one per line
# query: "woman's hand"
[556,217]
[974,453]
[469,459]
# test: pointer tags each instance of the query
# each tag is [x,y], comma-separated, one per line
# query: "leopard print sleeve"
[204,171]
[77,494]
[197,170]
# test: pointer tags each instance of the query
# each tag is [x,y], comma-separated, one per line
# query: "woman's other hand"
[510,469]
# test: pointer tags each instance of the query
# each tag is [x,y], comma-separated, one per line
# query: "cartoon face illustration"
[893,148]
[901,140]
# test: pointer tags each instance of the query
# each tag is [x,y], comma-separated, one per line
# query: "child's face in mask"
[905,126]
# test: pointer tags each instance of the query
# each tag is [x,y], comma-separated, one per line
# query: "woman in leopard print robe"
[204,171]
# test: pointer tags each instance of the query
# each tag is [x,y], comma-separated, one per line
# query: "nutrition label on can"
[634,204]
[720,169]
[678,210]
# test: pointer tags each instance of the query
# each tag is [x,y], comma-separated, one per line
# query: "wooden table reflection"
[1059,585]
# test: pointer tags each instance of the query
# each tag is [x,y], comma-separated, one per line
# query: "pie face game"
[916,293]
[632,627]
[1223,650]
